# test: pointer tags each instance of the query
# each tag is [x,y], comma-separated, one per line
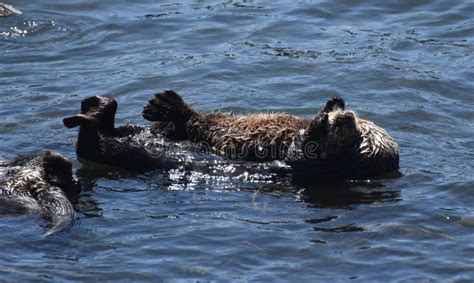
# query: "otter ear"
[47,154]
[333,104]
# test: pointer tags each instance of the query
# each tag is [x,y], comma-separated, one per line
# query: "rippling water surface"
[407,65]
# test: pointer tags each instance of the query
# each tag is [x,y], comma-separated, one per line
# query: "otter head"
[334,129]
[341,132]
[58,172]
[338,143]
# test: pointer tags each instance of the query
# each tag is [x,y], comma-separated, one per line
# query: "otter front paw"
[333,104]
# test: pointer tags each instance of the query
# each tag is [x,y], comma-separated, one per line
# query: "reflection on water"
[406,65]
[344,195]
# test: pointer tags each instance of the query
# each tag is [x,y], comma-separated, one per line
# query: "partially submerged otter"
[40,184]
[336,142]
[131,147]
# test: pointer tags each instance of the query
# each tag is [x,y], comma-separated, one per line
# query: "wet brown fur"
[337,133]
[257,137]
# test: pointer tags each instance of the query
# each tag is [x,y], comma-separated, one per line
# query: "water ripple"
[406,65]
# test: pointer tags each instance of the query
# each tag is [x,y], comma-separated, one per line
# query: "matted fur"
[32,184]
[257,137]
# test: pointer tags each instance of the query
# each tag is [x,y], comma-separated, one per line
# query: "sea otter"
[132,147]
[8,10]
[336,142]
[40,184]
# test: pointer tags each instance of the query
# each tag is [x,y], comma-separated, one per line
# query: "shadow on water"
[337,194]
[90,174]
[322,194]
[346,194]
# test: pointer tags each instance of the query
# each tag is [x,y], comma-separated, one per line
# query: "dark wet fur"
[100,141]
[370,152]
[41,184]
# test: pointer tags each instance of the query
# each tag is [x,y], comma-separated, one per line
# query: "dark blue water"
[406,65]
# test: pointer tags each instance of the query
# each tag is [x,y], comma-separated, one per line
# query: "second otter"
[40,184]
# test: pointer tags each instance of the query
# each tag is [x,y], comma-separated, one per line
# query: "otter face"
[342,131]
[58,172]
[334,132]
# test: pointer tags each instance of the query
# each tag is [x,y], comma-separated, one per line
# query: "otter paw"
[333,104]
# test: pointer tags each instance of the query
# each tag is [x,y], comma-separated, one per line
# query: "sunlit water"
[406,65]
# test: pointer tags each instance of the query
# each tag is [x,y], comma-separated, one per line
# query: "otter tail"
[168,106]
[60,223]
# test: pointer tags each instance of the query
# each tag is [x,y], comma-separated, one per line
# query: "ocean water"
[406,65]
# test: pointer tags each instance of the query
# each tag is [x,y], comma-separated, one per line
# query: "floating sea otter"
[336,142]
[40,184]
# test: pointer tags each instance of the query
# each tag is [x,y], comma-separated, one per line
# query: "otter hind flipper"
[98,105]
[167,106]
[103,109]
